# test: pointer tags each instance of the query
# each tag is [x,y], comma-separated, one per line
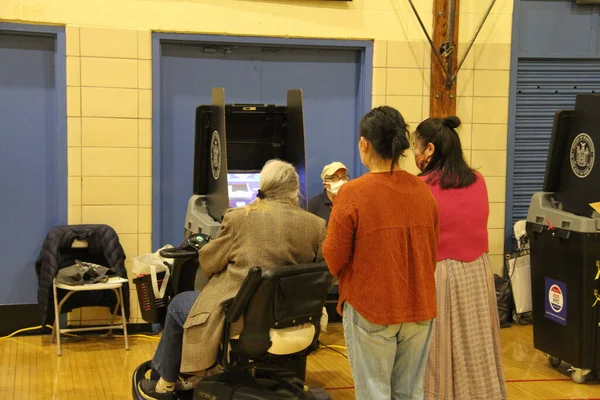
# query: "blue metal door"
[329,82]
[28,158]
[250,74]
[189,72]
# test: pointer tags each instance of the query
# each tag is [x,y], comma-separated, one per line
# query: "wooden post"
[443,98]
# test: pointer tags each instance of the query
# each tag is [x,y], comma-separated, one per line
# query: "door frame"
[512,126]
[60,82]
[365,47]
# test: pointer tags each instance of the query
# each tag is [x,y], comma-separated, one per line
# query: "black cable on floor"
[332,349]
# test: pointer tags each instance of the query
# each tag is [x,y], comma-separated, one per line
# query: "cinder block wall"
[109,93]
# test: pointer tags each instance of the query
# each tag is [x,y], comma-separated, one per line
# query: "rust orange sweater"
[381,242]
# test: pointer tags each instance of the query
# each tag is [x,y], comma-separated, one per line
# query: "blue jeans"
[387,361]
[167,359]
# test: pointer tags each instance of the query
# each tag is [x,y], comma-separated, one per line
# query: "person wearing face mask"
[464,359]
[381,242]
[334,176]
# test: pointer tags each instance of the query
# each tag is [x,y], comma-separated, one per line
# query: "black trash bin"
[565,279]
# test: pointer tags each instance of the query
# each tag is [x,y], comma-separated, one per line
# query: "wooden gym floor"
[99,368]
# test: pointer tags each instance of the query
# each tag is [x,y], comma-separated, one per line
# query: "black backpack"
[503,299]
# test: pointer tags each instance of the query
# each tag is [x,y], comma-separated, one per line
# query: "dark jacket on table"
[57,252]
[276,234]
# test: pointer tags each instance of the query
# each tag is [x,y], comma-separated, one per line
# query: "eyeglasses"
[335,178]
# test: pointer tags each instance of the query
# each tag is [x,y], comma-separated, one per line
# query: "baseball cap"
[330,169]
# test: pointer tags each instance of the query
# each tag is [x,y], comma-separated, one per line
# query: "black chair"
[281,309]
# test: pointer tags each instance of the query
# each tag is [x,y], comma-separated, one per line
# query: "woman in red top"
[381,242]
[464,358]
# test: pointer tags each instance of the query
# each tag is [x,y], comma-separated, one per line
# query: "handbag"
[82,273]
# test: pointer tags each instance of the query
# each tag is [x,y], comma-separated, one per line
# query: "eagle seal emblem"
[215,155]
[582,155]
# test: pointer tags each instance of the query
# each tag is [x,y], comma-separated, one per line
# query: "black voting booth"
[564,234]
[240,138]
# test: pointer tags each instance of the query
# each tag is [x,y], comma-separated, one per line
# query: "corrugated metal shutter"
[543,87]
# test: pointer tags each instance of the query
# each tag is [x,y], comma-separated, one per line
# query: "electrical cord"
[140,335]
[333,348]
[33,328]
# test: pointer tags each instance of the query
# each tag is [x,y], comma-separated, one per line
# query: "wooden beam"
[443,98]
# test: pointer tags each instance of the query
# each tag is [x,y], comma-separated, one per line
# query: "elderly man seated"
[272,231]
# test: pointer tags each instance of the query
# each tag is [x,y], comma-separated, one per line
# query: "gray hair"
[278,181]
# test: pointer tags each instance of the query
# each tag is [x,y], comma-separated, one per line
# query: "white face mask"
[334,187]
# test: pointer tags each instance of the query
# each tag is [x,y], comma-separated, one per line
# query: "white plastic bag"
[153,264]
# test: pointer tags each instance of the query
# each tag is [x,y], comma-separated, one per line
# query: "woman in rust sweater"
[381,242]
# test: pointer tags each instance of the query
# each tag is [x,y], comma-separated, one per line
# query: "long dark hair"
[385,129]
[447,165]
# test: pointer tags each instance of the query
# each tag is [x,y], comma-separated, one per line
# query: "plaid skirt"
[464,357]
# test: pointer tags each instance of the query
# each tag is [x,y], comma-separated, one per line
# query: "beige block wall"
[109,111]
[109,105]
[483,104]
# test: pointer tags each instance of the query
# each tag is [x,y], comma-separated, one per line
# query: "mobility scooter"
[281,308]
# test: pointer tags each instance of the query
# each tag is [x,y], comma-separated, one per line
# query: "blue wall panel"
[32,140]
[556,29]
[331,80]
[329,83]
[188,75]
